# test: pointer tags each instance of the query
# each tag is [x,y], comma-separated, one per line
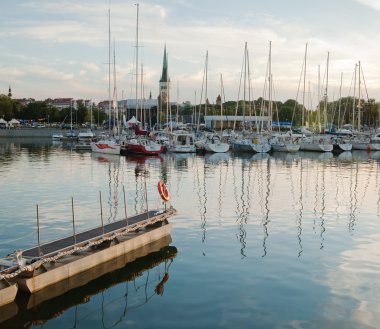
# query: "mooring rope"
[28,268]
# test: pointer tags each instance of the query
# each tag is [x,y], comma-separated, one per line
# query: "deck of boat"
[56,246]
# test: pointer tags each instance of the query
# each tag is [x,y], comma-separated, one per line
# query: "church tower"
[164,81]
[9,92]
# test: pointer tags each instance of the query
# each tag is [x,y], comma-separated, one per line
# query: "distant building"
[86,102]
[25,101]
[228,121]
[9,92]
[62,103]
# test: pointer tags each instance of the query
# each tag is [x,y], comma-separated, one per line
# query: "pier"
[60,260]
[67,293]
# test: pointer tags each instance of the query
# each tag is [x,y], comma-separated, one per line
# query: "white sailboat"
[108,144]
[181,141]
[213,142]
[279,141]
[318,142]
[360,140]
[257,142]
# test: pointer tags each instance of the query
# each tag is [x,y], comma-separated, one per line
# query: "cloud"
[72,37]
[375,4]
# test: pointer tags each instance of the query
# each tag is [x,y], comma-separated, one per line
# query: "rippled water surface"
[262,241]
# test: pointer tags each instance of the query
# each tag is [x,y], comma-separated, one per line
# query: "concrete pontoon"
[52,262]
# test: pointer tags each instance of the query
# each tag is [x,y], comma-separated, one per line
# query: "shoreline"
[33,132]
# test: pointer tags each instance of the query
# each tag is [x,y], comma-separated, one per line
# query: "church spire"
[9,91]
[164,76]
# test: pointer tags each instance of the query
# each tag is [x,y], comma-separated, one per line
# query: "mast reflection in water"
[270,241]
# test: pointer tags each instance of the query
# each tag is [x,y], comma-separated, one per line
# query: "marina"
[306,222]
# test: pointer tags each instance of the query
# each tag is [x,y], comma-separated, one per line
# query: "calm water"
[263,241]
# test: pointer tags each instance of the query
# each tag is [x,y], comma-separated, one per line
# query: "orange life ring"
[162,189]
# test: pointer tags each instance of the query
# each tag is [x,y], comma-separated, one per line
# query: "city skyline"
[61,49]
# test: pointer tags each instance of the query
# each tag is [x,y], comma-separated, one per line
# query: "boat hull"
[342,147]
[247,146]
[291,148]
[105,147]
[316,146]
[366,146]
[216,147]
[148,149]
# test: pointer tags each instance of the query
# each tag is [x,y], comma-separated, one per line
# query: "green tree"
[6,107]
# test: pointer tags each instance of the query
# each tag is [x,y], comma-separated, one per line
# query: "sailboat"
[140,143]
[108,144]
[211,142]
[315,142]
[257,143]
[360,140]
[280,142]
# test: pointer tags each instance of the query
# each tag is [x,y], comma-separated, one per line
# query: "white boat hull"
[182,149]
[366,146]
[342,147]
[106,147]
[245,145]
[316,144]
[216,147]
[291,148]
[316,147]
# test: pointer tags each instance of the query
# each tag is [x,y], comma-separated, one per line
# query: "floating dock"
[51,302]
[8,291]
[56,261]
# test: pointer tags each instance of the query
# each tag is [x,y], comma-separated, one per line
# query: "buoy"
[162,189]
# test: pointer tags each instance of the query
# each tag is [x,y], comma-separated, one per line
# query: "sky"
[54,49]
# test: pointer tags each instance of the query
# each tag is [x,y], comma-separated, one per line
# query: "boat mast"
[319,98]
[326,89]
[176,115]
[354,100]
[304,87]
[206,69]
[221,104]
[137,57]
[270,86]
[359,106]
[245,81]
[340,99]
[115,102]
[109,71]
[142,104]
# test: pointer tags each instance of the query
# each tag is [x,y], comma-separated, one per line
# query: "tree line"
[42,111]
[339,112]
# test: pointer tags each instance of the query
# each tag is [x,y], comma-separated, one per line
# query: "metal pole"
[101,210]
[125,206]
[146,200]
[38,234]
[72,211]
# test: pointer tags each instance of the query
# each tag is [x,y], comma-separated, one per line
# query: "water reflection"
[282,214]
[112,163]
[200,180]
[138,276]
